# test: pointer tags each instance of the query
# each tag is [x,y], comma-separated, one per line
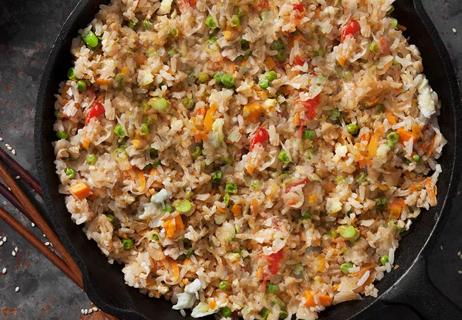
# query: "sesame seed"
[32,225]
[459,272]
[1,139]
[13,151]
[17,177]
[454,30]
[4,270]
[4,239]
[16,289]
[1,243]
[47,243]
[13,253]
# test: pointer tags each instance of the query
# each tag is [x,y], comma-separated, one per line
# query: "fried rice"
[252,158]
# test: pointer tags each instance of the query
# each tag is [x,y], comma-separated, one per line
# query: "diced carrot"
[254,205]
[103,82]
[212,304]
[250,168]
[312,199]
[309,298]
[320,264]
[416,131]
[221,209]
[179,225]
[201,111]
[325,300]
[141,180]
[396,207]
[209,118]
[269,63]
[175,269]
[236,210]
[85,143]
[342,60]
[80,190]
[391,118]
[173,226]
[296,119]
[374,142]
[252,112]
[259,273]
[404,135]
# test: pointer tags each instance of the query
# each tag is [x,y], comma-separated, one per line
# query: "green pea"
[284,157]
[384,260]
[416,158]
[374,47]
[353,129]
[309,134]
[119,131]
[348,232]
[127,244]
[264,83]
[226,312]
[173,32]
[159,104]
[245,45]
[235,21]
[272,288]
[144,129]
[147,24]
[62,135]
[271,75]
[70,173]
[90,39]
[230,188]
[223,285]
[211,23]
[227,80]
[196,152]
[217,176]
[394,23]
[392,139]
[81,85]
[345,267]
[188,103]
[183,206]
[71,74]
[203,77]
[381,203]
[91,159]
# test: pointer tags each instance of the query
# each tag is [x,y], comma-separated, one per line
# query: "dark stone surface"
[27,30]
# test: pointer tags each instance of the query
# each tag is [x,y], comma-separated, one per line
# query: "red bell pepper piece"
[299,61]
[299,7]
[274,261]
[96,110]
[352,28]
[310,107]
[260,137]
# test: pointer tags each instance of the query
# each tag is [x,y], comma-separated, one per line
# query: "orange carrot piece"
[396,207]
[236,210]
[325,300]
[309,299]
[80,190]
[404,135]
[374,142]
[209,118]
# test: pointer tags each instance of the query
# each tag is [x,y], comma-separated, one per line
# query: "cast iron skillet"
[409,284]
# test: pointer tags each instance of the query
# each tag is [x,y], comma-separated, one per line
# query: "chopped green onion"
[278,45]
[90,39]
[223,285]
[226,199]
[147,24]
[235,21]
[272,288]
[217,176]
[381,203]
[299,270]
[264,83]
[362,177]
[255,185]
[159,104]
[335,115]
[213,39]
[81,85]
[353,129]
[173,32]
[119,80]
[284,157]
[394,23]
[70,173]
[183,206]
[384,260]
[144,129]
[281,56]
[62,135]
[306,215]
[71,74]
[211,23]
[345,267]
[127,244]
[416,158]
[283,314]
[226,312]
[309,134]
[264,313]
[91,159]
[155,236]
[171,52]
[167,208]
[392,139]
[196,152]
[112,219]
[245,45]
[119,131]
[348,232]
[374,47]
[132,24]
[189,252]
[203,77]
[230,188]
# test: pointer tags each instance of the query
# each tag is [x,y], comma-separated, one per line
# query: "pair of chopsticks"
[11,191]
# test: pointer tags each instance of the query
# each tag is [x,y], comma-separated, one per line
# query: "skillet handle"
[417,291]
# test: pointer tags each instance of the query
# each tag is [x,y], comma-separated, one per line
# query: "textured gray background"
[27,30]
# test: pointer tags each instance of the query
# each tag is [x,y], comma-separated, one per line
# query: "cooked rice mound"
[255,158]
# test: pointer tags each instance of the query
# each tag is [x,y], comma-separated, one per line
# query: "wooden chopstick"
[32,239]
[12,199]
[36,217]
[20,171]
